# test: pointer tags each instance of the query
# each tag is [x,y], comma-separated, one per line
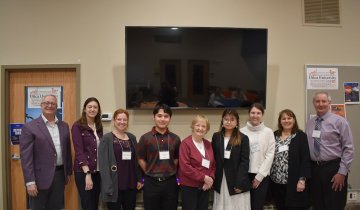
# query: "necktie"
[317,140]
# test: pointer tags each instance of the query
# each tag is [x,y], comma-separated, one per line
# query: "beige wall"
[91,33]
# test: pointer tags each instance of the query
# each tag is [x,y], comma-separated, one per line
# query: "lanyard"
[122,149]
[157,143]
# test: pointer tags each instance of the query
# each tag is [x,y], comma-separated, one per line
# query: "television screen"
[195,67]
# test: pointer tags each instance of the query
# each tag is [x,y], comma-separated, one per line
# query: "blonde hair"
[199,118]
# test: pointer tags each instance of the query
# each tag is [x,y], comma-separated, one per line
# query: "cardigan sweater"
[191,171]
[299,165]
[109,173]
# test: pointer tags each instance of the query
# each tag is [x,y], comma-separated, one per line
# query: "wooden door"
[198,74]
[17,80]
[170,72]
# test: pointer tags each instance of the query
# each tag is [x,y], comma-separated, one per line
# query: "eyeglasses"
[48,103]
[227,120]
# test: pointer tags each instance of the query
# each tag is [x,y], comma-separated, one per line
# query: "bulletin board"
[335,79]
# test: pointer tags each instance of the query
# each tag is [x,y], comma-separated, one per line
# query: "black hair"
[165,107]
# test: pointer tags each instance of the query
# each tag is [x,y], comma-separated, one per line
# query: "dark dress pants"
[89,198]
[323,196]
[160,195]
[258,195]
[126,200]
[193,198]
[52,198]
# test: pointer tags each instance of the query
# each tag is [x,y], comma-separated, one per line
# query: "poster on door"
[33,98]
[15,132]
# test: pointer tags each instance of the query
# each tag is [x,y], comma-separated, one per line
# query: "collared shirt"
[148,149]
[336,140]
[55,136]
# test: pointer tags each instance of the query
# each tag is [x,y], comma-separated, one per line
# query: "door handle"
[15,156]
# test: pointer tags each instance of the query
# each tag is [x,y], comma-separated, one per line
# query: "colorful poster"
[351,93]
[33,97]
[322,78]
[338,109]
[15,132]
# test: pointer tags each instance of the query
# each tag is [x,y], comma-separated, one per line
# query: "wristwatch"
[88,172]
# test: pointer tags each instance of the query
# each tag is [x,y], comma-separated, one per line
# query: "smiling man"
[158,157]
[331,150]
[46,157]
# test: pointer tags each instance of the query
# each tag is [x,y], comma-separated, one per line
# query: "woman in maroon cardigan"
[196,166]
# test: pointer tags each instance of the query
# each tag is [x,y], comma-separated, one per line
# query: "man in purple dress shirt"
[331,150]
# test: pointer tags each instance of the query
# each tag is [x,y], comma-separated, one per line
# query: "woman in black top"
[291,166]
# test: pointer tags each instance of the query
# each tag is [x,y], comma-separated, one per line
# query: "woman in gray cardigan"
[119,170]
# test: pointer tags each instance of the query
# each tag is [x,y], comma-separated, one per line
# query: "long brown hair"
[289,113]
[83,121]
[235,138]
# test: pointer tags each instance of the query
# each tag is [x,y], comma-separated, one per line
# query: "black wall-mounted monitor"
[195,67]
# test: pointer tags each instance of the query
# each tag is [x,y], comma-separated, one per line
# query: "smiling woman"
[86,134]
[231,152]
[262,148]
[120,173]
[291,166]
[196,166]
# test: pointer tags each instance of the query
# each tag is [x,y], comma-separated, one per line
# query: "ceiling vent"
[321,12]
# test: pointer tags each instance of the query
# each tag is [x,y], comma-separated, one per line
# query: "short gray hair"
[322,93]
[52,95]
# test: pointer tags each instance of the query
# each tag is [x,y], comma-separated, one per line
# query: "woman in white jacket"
[262,149]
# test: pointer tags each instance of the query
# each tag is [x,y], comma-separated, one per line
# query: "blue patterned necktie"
[317,140]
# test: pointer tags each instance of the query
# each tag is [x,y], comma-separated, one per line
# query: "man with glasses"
[46,157]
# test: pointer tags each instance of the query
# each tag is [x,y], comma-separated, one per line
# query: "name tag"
[316,134]
[227,154]
[205,163]
[283,148]
[254,147]
[126,155]
[164,155]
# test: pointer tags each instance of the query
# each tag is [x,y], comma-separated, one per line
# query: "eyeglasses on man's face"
[49,104]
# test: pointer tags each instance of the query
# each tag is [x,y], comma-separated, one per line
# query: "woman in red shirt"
[196,166]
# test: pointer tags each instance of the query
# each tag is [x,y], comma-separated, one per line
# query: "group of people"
[242,165]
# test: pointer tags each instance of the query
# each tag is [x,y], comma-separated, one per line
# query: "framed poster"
[33,98]
[351,93]
[338,109]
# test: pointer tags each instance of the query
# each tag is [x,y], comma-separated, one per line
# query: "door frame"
[4,119]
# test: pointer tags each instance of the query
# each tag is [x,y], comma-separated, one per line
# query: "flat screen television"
[195,67]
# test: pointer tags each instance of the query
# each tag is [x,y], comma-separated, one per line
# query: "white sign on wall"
[322,78]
